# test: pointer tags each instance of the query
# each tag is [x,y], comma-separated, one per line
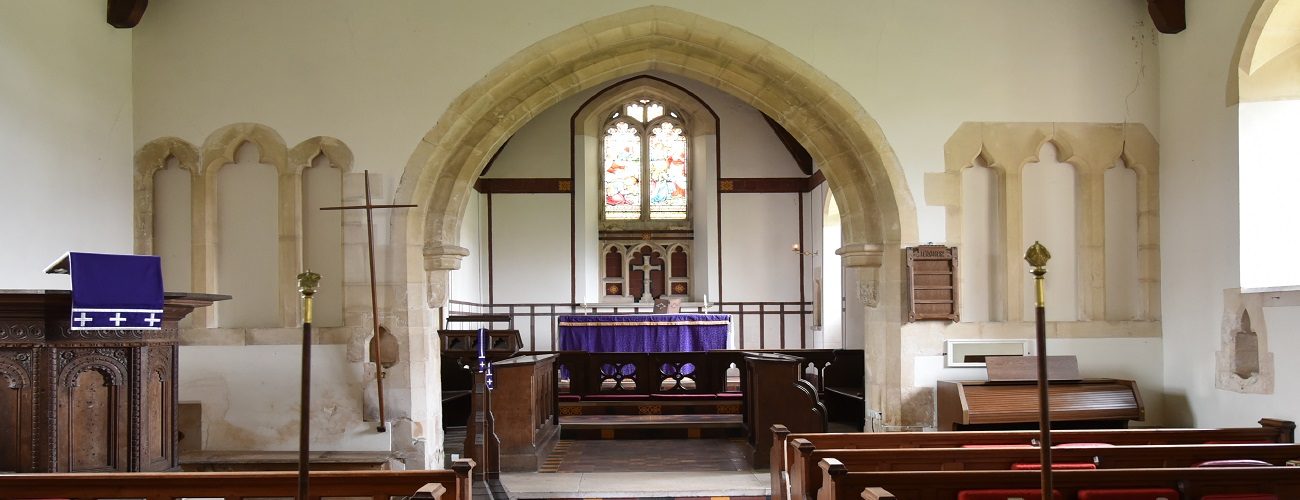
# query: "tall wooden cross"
[369,207]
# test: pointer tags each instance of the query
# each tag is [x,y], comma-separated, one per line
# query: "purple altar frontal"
[643,332]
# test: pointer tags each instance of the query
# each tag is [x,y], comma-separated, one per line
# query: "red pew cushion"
[1006,495]
[1129,494]
[1234,463]
[1056,466]
[998,446]
[1084,445]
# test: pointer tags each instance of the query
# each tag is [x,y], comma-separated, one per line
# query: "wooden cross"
[369,207]
[645,269]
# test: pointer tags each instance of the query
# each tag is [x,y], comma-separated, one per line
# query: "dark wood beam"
[1170,16]
[524,185]
[126,14]
[797,151]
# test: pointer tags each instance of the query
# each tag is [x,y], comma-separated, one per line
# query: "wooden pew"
[1191,483]
[1269,431]
[451,484]
[804,484]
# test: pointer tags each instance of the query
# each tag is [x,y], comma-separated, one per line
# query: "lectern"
[479,349]
[87,400]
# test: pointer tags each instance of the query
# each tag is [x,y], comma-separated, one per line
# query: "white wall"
[65,136]
[336,67]
[1199,210]
[250,398]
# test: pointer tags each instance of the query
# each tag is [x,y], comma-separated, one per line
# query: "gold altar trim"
[645,323]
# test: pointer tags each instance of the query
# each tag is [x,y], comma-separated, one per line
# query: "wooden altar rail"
[451,484]
[527,317]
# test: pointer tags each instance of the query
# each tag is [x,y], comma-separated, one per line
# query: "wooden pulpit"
[87,400]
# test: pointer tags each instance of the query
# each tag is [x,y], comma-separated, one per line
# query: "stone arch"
[844,141]
[1264,67]
[841,137]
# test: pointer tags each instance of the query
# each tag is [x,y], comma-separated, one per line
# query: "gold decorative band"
[644,323]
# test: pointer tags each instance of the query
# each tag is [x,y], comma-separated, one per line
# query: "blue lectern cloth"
[643,332]
[116,292]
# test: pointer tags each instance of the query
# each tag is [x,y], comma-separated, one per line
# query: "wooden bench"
[451,484]
[1269,431]
[1190,483]
[804,483]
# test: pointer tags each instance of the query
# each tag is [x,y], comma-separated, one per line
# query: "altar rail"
[754,325]
[423,484]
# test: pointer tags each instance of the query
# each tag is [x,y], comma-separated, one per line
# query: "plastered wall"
[1199,236]
[65,133]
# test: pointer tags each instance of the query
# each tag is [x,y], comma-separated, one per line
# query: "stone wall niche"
[1243,363]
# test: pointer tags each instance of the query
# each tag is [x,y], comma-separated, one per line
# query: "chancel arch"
[861,169]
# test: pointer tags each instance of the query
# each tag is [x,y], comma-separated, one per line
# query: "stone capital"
[861,255]
[443,257]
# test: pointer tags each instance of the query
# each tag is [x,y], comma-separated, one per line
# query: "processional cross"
[369,207]
[645,269]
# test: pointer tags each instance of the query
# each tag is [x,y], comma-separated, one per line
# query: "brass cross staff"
[374,305]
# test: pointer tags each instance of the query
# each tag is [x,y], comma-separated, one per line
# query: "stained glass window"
[667,172]
[645,163]
[622,172]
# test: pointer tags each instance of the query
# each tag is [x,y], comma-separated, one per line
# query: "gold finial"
[1037,255]
[307,282]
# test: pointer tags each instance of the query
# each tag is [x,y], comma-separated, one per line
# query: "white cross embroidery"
[117,319]
[152,320]
[82,320]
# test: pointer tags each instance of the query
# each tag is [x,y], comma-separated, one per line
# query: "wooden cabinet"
[86,401]
[931,283]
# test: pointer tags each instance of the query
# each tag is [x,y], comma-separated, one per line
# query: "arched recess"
[218,150]
[149,159]
[327,152]
[860,167]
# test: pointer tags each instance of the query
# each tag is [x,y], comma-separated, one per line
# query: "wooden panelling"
[108,399]
[15,418]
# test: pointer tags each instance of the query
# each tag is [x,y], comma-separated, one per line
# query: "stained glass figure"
[622,164]
[668,176]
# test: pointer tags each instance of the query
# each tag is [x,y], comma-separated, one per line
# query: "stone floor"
[607,485]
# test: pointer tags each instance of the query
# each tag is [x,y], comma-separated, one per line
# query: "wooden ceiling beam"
[126,14]
[1170,16]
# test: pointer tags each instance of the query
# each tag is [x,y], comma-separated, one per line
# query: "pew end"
[777,463]
[1285,428]
[464,469]
[877,494]
[431,491]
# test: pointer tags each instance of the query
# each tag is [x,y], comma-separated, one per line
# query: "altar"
[643,332]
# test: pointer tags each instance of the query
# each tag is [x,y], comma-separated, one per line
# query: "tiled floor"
[644,468]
